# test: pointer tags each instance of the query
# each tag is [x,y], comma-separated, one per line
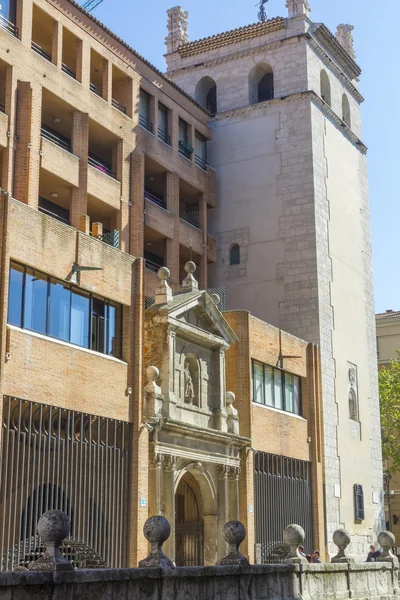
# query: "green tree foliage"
[389,391]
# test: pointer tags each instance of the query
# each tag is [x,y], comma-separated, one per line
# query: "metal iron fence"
[282,495]
[55,458]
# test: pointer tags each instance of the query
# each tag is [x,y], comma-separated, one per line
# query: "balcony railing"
[39,50]
[101,166]
[8,26]
[96,90]
[109,237]
[192,215]
[145,123]
[56,138]
[152,266]
[68,71]
[200,162]
[2,108]
[118,105]
[164,136]
[185,149]
[153,197]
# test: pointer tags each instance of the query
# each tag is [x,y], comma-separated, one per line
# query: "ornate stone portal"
[196,430]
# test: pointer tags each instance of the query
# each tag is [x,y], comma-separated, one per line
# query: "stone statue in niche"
[189,387]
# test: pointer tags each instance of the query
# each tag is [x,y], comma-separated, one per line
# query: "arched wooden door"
[189,528]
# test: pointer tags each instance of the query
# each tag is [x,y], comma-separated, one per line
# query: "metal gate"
[53,458]
[282,496]
[189,528]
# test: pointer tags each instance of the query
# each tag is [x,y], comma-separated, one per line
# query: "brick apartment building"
[105,181]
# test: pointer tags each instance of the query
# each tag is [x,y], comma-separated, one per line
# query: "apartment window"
[276,388]
[234,255]
[163,124]
[53,210]
[57,309]
[184,148]
[8,11]
[144,110]
[200,150]
[359,512]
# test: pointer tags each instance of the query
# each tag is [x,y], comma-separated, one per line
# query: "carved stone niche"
[187,336]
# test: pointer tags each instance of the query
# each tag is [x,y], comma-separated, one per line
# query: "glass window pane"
[114,331]
[200,146]
[297,395]
[15,295]
[60,309]
[80,310]
[269,385]
[35,308]
[278,389]
[98,325]
[183,131]
[162,118]
[144,105]
[258,374]
[289,393]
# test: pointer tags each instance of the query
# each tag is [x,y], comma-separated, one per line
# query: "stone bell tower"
[292,220]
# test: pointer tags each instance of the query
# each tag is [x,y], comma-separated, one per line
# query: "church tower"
[292,220]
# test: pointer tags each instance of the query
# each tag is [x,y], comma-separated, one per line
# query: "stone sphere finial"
[294,537]
[216,299]
[387,540]
[156,530]
[234,534]
[53,527]
[163,273]
[190,267]
[341,539]
[152,373]
[230,398]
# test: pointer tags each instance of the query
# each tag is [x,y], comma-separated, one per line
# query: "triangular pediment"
[196,316]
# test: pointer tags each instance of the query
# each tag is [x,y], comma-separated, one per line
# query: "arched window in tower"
[261,83]
[346,116]
[206,94]
[325,88]
[234,255]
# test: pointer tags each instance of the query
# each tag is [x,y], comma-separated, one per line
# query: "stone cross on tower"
[345,38]
[297,8]
[177,28]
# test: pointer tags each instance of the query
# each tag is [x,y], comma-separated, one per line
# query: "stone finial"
[234,534]
[177,28]
[152,393]
[156,530]
[152,374]
[215,298]
[294,537]
[341,539]
[232,414]
[190,284]
[387,540]
[53,527]
[345,38]
[297,8]
[163,292]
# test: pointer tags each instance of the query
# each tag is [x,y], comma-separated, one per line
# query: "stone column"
[137,209]
[173,244]
[107,81]
[155,483]
[57,44]
[223,511]
[220,409]
[234,473]
[210,540]
[169,465]
[24,21]
[83,63]
[80,147]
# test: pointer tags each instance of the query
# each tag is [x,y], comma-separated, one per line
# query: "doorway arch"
[189,523]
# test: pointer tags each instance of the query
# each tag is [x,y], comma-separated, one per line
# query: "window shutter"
[359,503]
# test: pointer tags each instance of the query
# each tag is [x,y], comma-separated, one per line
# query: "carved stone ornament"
[341,539]
[234,534]
[169,462]
[297,8]
[294,537]
[189,387]
[156,530]
[53,527]
[387,541]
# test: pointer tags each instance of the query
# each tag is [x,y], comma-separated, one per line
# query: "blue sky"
[143,26]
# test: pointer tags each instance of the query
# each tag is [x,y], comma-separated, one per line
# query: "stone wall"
[367,581]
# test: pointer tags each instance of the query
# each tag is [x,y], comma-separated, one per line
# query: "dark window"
[234,255]
[184,148]
[163,124]
[276,388]
[266,87]
[359,503]
[200,150]
[15,295]
[144,110]
[53,210]
[60,310]
[211,100]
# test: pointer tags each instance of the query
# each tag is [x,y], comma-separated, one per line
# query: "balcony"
[191,237]
[103,186]
[145,123]
[153,266]
[200,162]
[8,26]
[101,166]
[57,138]
[39,50]
[212,249]
[153,197]
[164,136]
[96,90]
[118,106]
[68,71]
[185,150]
[56,160]
[192,215]
[109,237]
